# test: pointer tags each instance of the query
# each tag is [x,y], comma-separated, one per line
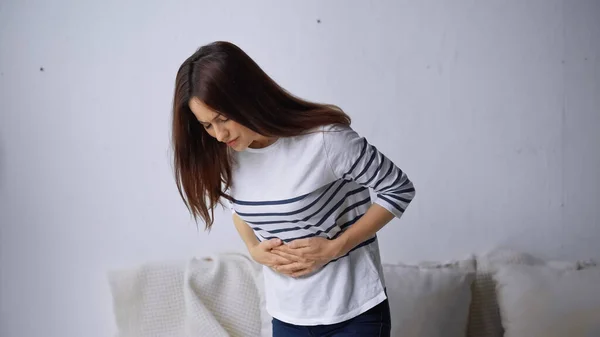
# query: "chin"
[239,148]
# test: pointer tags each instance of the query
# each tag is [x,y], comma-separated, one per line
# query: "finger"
[277,260]
[270,244]
[299,243]
[302,272]
[285,249]
[291,268]
[287,255]
[304,253]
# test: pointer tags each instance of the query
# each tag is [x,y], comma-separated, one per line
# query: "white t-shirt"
[318,184]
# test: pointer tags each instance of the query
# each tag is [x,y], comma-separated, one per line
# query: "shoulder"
[337,135]
[327,134]
[342,144]
[333,137]
[335,128]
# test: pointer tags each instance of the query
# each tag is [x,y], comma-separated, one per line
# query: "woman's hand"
[308,255]
[263,254]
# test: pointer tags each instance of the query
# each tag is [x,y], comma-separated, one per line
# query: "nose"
[220,133]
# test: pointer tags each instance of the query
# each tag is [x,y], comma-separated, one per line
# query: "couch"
[499,293]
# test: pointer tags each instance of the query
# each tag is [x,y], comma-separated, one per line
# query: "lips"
[232,143]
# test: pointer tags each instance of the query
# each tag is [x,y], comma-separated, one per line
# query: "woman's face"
[235,135]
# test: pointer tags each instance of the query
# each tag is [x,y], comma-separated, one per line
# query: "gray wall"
[491,107]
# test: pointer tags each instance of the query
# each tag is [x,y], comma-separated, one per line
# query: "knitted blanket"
[217,296]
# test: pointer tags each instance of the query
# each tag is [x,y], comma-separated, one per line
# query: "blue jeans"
[375,322]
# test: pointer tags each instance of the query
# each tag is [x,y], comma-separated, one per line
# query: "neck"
[263,142]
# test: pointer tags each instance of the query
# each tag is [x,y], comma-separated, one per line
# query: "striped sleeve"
[352,158]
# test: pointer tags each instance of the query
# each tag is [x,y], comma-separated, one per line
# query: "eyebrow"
[218,115]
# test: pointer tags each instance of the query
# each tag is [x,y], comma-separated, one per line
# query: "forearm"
[245,232]
[370,223]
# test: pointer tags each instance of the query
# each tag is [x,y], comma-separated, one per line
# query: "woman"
[297,179]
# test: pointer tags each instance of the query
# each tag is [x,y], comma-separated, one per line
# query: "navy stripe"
[307,235]
[392,203]
[367,166]
[385,176]
[391,186]
[273,202]
[342,227]
[333,209]
[301,237]
[399,198]
[378,169]
[275,237]
[362,153]
[406,190]
[306,218]
[368,242]
[350,223]
[292,212]
[346,225]
[326,231]
[281,230]
[353,206]
[341,202]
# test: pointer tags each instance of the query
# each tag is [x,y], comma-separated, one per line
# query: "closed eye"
[221,119]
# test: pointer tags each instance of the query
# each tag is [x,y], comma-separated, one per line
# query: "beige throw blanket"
[219,296]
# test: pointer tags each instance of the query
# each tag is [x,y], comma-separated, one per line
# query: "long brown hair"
[228,81]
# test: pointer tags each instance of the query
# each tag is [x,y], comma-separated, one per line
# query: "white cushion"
[429,300]
[549,302]
[484,316]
